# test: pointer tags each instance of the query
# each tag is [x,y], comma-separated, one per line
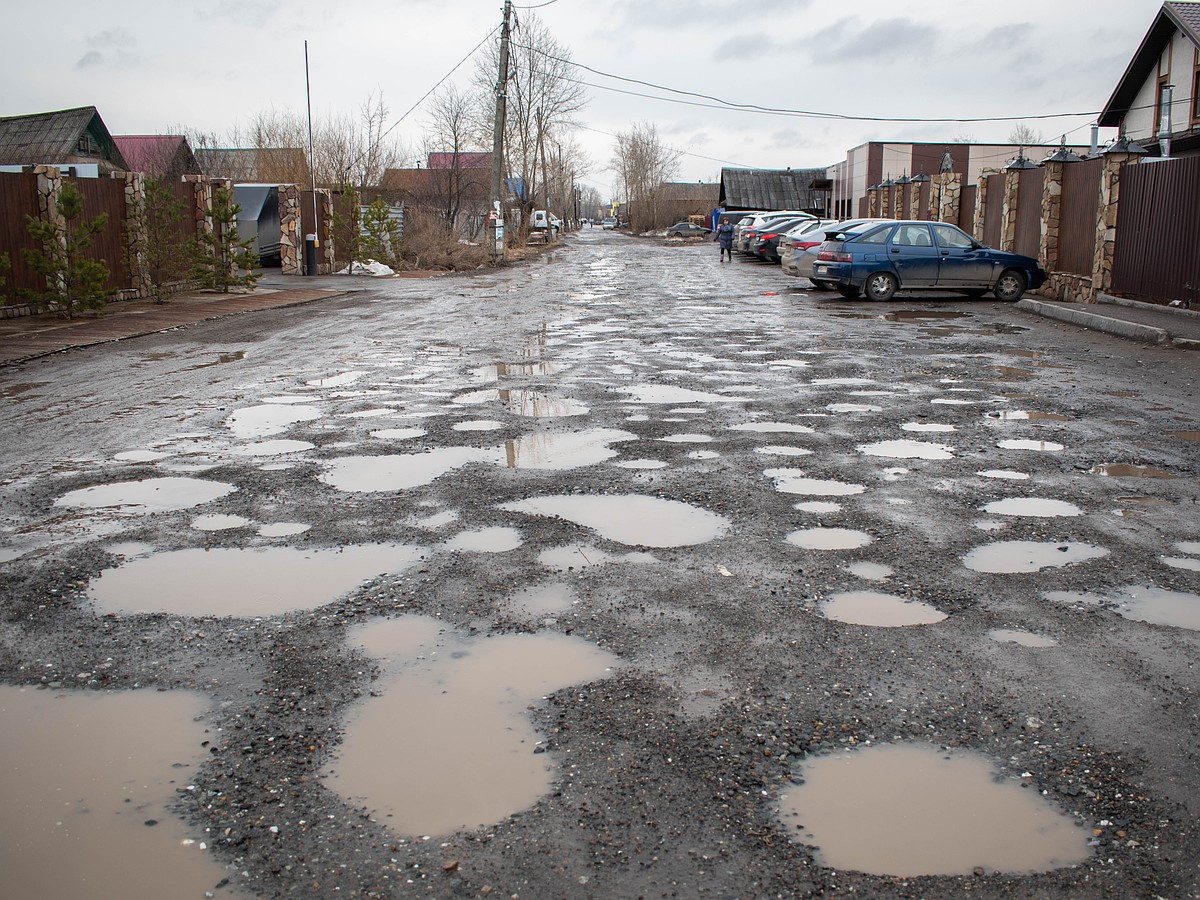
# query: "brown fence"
[923,211]
[106,196]
[1158,231]
[185,193]
[18,199]
[1077,216]
[966,208]
[993,211]
[1029,212]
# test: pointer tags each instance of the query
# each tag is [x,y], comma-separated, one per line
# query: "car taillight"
[832,256]
[770,237]
[804,245]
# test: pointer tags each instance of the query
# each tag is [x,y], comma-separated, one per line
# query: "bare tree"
[642,163]
[459,186]
[1025,136]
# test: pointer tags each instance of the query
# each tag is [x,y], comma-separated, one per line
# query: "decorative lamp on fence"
[1020,163]
[1124,145]
[1062,154]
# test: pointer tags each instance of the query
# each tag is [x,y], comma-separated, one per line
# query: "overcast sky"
[148,65]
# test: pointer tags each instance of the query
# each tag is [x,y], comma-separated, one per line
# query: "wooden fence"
[106,196]
[1077,216]
[18,202]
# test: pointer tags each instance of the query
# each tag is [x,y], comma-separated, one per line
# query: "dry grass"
[431,244]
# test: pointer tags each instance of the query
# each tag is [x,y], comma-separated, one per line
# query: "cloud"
[746,46]
[843,41]
[114,47]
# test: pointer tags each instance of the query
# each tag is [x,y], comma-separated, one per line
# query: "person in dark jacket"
[724,234]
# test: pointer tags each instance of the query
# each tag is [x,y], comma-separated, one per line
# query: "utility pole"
[496,219]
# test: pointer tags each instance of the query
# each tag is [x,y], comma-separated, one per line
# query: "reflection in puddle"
[564,451]
[773,428]
[1024,638]
[148,496]
[1041,446]
[906,810]
[1004,473]
[870,571]
[1120,470]
[486,540]
[233,582]
[367,474]
[1023,415]
[580,556]
[85,774]
[1032,506]
[878,610]
[219,522]
[526,403]
[829,539]
[662,393]
[446,743]
[794,481]
[1011,557]
[268,419]
[903,449]
[631,519]
[398,434]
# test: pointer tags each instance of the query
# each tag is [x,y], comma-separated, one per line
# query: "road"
[622,572]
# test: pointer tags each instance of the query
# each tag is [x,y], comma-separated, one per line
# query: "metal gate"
[1158,231]
[1077,216]
[1029,212]
[107,196]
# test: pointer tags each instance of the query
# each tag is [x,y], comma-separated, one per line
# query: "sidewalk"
[1146,322]
[26,337]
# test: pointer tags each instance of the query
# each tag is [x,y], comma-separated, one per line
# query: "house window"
[85,145]
[1196,88]
[1160,112]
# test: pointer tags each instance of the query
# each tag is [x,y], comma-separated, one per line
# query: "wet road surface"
[591,577]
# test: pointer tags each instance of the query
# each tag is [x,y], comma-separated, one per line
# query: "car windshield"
[850,232]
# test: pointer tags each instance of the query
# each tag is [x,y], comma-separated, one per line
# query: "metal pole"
[310,258]
[497,216]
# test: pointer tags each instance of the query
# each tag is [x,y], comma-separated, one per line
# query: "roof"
[154,153]
[770,188]
[53,137]
[1172,17]
[704,193]
[469,160]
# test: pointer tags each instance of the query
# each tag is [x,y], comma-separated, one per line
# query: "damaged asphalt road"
[562,580]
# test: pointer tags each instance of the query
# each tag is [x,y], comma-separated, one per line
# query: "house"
[467,160]
[679,199]
[758,189]
[68,137]
[1160,90]
[166,156]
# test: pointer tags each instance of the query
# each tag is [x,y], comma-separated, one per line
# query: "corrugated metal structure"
[1029,212]
[1158,231]
[764,189]
[1077,216]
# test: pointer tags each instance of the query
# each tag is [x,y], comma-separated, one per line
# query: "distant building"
[166,156]
[762,189]
[255,165]
[66,137]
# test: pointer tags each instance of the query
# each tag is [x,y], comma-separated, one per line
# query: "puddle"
[369,474]
[927,426]
[478,425]
[139,456]
[369,413]
[904,449]
[878,610]
[282,529]
[90,780]
[778,450]
[1004,473]
[581,556]
[909,810]
[828,539]
[909,315]
[1012,557]
[631,519]
[488,374]
[1156,606]
[641,464]
[219,522]
[148,496]
[273,448]
[870,571]
[1121,470]
[398,434]
[687,439]
[1012,372]
[794,481]
[8,554]
[486,540]
[952,401]
[446,742]
[1024,415]
[662,393]
[853,408]
[564,451]
[1192,547]
[1040,446]
[818,506]
[1024,638]
[554,597]
[526,403]
[848,382]
[336,380]
[1032,506]
[773,428]
[703,454]
[1185,435]
[437,520]
[232,582]
[269,418]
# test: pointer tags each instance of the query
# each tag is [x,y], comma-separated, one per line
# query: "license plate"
[820,270]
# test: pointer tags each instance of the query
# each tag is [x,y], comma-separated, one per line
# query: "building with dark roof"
[65,137]
[161,155]
[762,189]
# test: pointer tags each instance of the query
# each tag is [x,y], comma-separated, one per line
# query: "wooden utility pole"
[496,220]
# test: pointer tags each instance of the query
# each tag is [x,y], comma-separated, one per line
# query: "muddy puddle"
[446,742]
[1039,507]
[543,599]
[907,449]
[569,450]
[150,495]
[870,571]
[234,582]
[485,540]
[878,610]
[794,481]
[773,428]
[928,426]
[1026,444]
[1006,474]
[269,418]
[1026,415]
[1123,470]
[663,393]
[581,556]
[1023,638]
[828,539]
[90,780]
[1016,557]
[1185,435]
[1012,373]
[908,810]
[630,519]
[399,472]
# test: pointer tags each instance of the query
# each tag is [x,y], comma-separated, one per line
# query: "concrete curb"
[1130,330]
[1153,307]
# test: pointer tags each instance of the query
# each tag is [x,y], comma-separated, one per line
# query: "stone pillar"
[1106,220]
[49,184]
[1051,214]
[135,234]
[885,203]
[914,201]
[945,192]
[872,204]
[1008,213]
[325,210]
[981,193]
[291,241]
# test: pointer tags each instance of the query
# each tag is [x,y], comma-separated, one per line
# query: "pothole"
[445,742]
[905,449]
[828,539]
[272,448]
[1028,444]
[269,418]
[539,600]
[878,610]
[1026,415]
[485,540]
[870,571]
[794,481]
[219,522]
[1124,470]
[1039,507]
[773,428]
[1008,474]
[905,810]
[398,472]
[1014,557]
[631,519]
[927,426]
[570,450]
[1024,638]
[147,496]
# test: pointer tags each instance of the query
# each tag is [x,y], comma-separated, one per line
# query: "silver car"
[804,260]
[741,240]
[800,239]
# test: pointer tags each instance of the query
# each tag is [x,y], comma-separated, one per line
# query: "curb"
[1131,330]
[1152,307]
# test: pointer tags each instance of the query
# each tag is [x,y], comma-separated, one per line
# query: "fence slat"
[1077,216]
[1029,212]
[18,199]
[1158,231]
[106,195]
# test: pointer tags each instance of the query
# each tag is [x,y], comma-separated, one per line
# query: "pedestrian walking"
[725,236]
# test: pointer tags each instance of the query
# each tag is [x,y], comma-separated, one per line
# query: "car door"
[964,264]
[914,256]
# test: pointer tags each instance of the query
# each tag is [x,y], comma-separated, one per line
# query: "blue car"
[878,259]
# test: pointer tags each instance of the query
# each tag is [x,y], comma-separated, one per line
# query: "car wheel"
[676,234]
[881,286]
[821,285]
[849,291]
[1010,287]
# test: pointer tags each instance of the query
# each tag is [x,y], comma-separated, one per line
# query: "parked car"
[799,239]
[741,241]
[610,222]
[687,229]
[880,259]
[765,244]
[804,259]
